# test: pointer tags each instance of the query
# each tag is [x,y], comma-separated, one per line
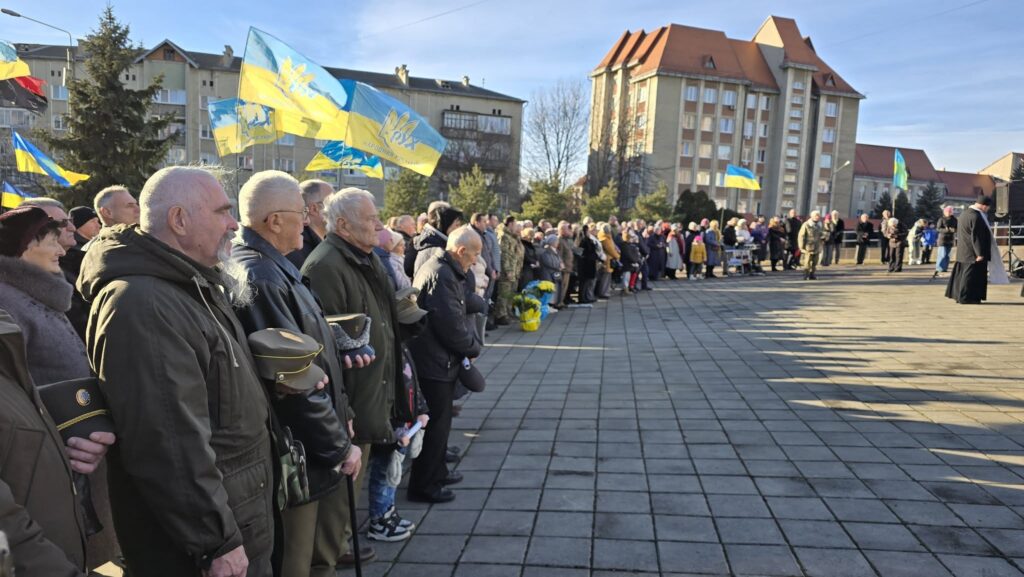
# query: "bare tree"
[556,132]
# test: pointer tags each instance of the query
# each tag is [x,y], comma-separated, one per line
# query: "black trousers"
[862,250]
[884,245]
[896,258]
[429,469]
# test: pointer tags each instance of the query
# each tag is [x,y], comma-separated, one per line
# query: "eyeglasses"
[62,223]
[304,212]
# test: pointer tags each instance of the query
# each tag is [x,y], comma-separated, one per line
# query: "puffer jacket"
[449,338]
[421,245]
[318,418]
[550,265]
[38,509]
[191,475]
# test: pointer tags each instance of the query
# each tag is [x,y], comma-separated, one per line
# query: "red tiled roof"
[799,50]
[877,161]
[966,184]
[755,68]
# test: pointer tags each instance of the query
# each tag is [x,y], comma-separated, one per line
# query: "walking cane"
[355,526]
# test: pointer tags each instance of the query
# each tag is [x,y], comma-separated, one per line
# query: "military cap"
[351,335]
[471,377]
[286,357]
[77,407]
[408,311]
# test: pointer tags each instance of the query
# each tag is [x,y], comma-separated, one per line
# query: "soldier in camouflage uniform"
[511,266]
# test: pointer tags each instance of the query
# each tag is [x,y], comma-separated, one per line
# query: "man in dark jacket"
[442,218]
[864,231]
[348,277]
[313,194]
[448,341]
[947,234]
[968,283]
[191,478]
[793,225]
[272,214]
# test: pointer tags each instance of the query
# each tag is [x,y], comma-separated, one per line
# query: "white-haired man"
[313,194]
[809,240]
[272,214]
[349,278]
[191,481]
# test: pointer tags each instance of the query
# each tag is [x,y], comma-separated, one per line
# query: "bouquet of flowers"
[527,309]
[542,291]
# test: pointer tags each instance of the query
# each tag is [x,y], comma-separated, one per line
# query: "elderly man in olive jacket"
[191,477]
[349,278]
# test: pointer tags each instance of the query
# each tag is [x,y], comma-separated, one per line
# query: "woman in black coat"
[586,266]
[530,262]
[776,243]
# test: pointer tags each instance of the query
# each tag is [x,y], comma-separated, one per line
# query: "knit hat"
[81,215]
[447,216]
[19,227]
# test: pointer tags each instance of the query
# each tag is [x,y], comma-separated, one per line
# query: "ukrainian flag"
[736,177]
[335,154]
[899,171]
[307,100]
[237,125]
[383,126]
[31,159]
[10,65]
[12,197]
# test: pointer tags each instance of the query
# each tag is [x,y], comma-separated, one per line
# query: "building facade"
[482,126]
[873,171]
[678,104]
[1004,166]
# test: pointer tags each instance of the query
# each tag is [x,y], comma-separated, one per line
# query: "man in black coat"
[438,352]
[313,194]
[272,214]
[968,284]
[442,218]
[793,225]
[864,230]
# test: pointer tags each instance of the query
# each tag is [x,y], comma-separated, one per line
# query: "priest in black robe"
[968,283]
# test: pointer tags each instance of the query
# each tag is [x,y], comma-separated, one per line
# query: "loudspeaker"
[1009,199]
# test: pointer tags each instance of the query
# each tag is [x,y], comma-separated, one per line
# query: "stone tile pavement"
[857,425]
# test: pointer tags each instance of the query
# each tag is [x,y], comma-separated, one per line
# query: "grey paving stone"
[513,499]
[887,537]
[518,479]
[749,531]
[783,487]
[480,570]
[486,549]
[623,502]
[957,540]
[421,570]
[924,513]
[531,571]
[868,510]
[567,500]
[559,552]
[762,560]
[621,555]
[564,524]
[965,566]
[822,534]
[904,564]
[807,508]
[431,548]
[679,504]
[679,557]
[1010,542]
[990,516]
[624,526]
[738,506]
[682,528]
[673,483]
[834,563]
[504,523]
[443,522]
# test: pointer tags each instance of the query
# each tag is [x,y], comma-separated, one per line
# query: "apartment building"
[872,175]
[678,104]
[482,126]
[1004,166]
[963,188]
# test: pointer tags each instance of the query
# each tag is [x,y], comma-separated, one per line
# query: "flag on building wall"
[385,127]
[307,100]
[335,154]
[10,65]
[899,171]
[31,159]
[237,125]
[736,177]
[12,197]
[23,92]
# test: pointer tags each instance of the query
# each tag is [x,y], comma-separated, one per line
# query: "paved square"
[857,425]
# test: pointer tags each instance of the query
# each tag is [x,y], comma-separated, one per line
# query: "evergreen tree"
[110,135]
[1018,172]
[696,206]
[605,204]
[546,201]
[884,203]
[654,206]
[904,211]
[929,204]
[472,194]
[407,194]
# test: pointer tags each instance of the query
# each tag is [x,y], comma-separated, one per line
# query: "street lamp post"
[832,184]
[71,46]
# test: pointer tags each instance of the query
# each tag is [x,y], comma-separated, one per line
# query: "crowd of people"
[217,466]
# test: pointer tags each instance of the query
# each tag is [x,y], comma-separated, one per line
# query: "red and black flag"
[23,92]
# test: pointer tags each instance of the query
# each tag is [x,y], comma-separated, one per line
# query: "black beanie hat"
[447,216]
[19,227]
[81,215]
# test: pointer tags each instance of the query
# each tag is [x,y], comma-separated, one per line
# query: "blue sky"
[942,75]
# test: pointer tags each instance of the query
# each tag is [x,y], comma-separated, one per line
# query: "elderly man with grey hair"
[191,477]
[272,216]
[313,194]
[349,278]
[115,205]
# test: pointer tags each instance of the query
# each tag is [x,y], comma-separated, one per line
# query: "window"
[790,178]
[798,99]
[175,155]
[707,123]
[831,109]
[165,96]
[789,191]
[826,161]
[764,129]
[792,152]
[16,118]
[710,95]
[641,121]
[286,140]
[208,158]
[751,101]
[685,176]
[798,85]
[204,131]
[285,164]
[796,113]
[828,135]
[691,93]
[766,103]
[726,125]
[729,98]
[689,121]
[59,123]
[794,126]
[168,54]
[793,139]
[719,179]
[204,101]
[790,165]
[245,162]
[761,155]
[705,151]
[822,185]
[494,124]
[641,94]
[703,177]
[687,149]
[458,120]
[745,154]
[58,92]
[724,152]
[748,130]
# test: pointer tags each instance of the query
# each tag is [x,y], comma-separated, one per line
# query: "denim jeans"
[381,497]
[942,262]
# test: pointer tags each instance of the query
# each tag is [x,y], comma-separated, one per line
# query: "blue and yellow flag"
[335,154]
[307,100]
[237,125]
[736,177]
[31,159]
[10,65]
[383,126]
[12,197]
[899,171]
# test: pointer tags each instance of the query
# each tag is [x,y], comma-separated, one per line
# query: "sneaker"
[401,522]
[387,528]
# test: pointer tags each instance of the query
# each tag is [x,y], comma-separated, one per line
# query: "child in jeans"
[698,256]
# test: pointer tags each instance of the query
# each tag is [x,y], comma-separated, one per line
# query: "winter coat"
[491,244]
[449,338]
[191,475]
[530,264]
[511,255]
[566,255]
[348,281]
[777,242]
[587,262]
[698,253]
[897,235]
[930,237]
[317,418]
[310,241]
[793,226]
[631,258]
[864,232]
[712,247]
[71,266]
[398,267]
[39,511]
[550,265]
[428,239]
[674,253]
[611,250]
[729,236]
[487,251]
[838,228]
[656,246]
[947,230]
[810,237]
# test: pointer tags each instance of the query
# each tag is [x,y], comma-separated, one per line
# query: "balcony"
[458,124]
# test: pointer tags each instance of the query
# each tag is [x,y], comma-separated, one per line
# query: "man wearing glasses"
[55,209]
[313,194]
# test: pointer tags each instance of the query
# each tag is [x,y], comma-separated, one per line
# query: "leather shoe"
[453,478]
[442,495]
[502,322]
[366,553]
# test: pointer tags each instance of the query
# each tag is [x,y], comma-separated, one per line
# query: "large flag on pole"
[335,154]
[10,65]
[736,177]
[899,171]
[31,159]
[23,92]
[12,197]
[308,101]
[237,125]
